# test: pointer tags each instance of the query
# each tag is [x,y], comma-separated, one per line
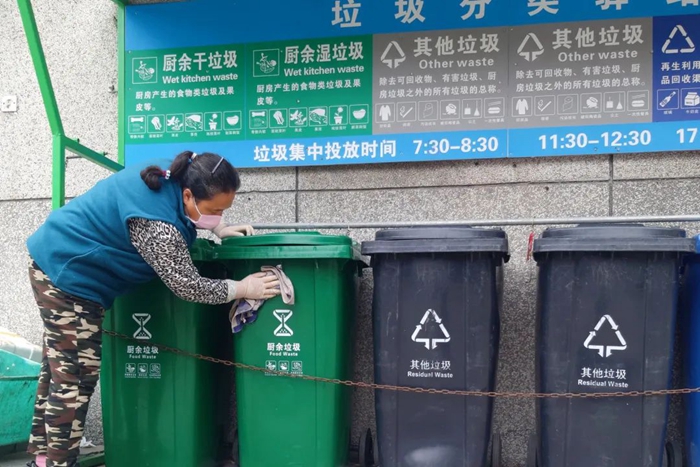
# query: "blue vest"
[85,247]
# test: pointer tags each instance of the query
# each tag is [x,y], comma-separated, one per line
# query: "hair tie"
[194,154]
[166,174]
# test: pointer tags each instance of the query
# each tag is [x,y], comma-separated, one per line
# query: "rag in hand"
[245,311]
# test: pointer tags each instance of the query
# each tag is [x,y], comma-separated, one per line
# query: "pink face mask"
[206,221]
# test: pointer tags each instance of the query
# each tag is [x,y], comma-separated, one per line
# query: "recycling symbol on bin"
[605,350]
[419,335]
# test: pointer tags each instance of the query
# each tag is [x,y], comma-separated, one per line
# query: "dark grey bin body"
[431,284]
[607,302]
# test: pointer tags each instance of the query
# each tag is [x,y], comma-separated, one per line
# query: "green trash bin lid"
[288,245]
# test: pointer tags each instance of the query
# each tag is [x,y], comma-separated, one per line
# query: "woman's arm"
[162,246]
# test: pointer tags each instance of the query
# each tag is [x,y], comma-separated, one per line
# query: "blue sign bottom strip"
[457,145]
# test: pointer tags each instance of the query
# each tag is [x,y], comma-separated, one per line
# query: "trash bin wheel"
[674,454]
[367,449]
[496,450]
[532,454]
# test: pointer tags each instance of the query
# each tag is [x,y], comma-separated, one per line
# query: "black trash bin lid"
[438,240]
[613,237]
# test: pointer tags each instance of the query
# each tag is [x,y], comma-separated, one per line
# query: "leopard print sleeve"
[164,249]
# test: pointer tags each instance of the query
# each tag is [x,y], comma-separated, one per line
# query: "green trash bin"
[18,381]
[284,421]
[161,409]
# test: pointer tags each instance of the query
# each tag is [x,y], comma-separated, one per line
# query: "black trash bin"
[436,325]
[607,302]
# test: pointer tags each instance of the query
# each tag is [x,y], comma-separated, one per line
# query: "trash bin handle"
[19,378]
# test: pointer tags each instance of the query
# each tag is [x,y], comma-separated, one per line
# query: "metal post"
[76,148]
[42,70]
[121,80]
[58,187]
[482,223]
[60,142]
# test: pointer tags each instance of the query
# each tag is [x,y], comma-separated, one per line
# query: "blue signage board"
[325,82]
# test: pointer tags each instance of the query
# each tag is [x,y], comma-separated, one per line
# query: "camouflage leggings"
[69,370]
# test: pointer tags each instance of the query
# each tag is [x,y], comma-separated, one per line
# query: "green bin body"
[292,422]
[18,381]
[162,409]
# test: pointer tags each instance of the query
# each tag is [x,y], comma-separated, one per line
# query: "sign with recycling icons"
[322,82]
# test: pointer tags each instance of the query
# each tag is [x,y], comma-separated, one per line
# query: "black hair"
[206,174]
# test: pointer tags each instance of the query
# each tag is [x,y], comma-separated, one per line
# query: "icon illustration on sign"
[384,113]
[193,122]
[614,101]
[428,111]
[157,123]
[283,316]
[174,123]
[258,119]
[670,47]
[666,100]
[213,121]
[531,47]
[451,109]
[233,120]
[591,102]
[430,317]
[339,115]
[691,99]
[522,106]
[298,117]
[142,319]
[393,55]
[137,125]
[318,116]
[359,113]
[638,100]
[472,108]
[266,65]
[605,350]
[278,117]
[543,104]
[145,72]
[407,111]
[495,107]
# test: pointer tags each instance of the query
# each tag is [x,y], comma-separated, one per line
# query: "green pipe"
[58,185]
[78,149]
[121,80]
[42,70]
[60,142]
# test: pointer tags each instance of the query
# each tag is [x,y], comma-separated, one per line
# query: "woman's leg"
[73,330]
[37,439]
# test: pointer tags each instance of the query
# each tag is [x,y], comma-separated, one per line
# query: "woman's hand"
[258,286]
[226,231]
